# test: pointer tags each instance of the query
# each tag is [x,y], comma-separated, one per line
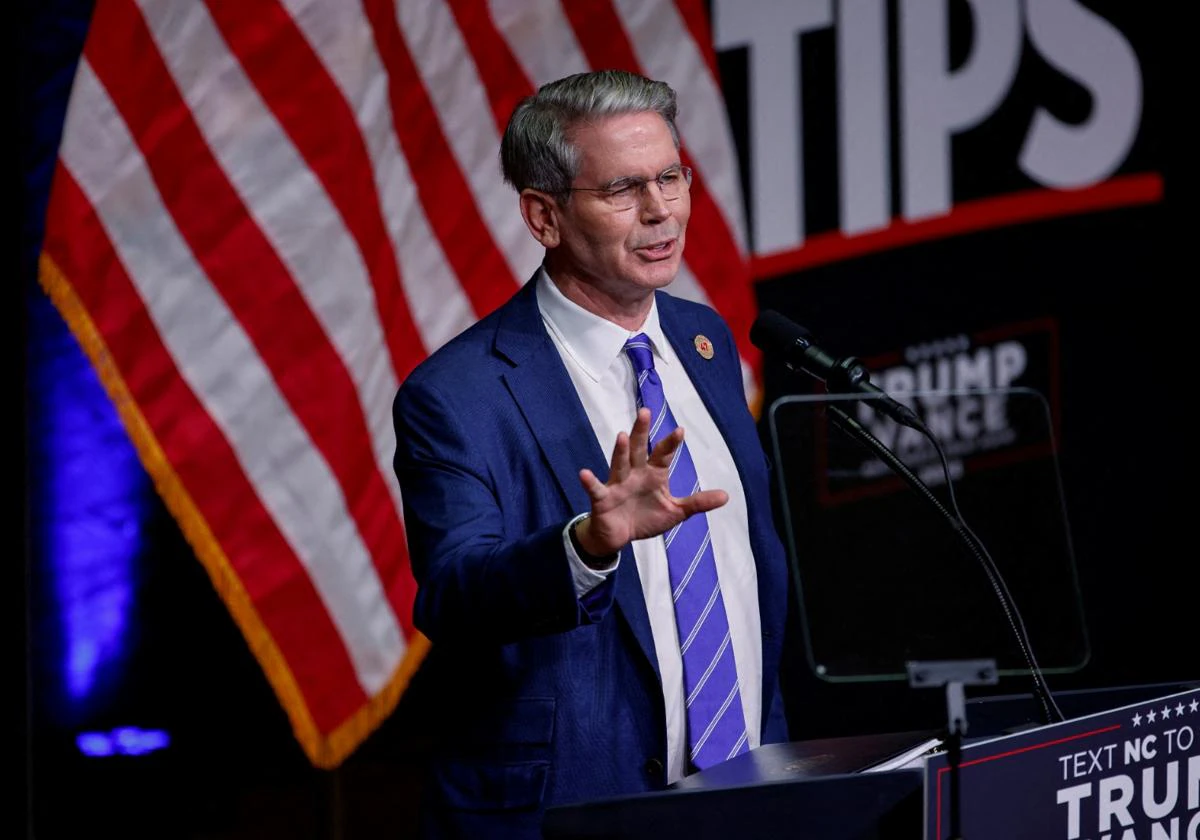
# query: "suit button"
[653,768]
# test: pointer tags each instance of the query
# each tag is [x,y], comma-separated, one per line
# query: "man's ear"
[540,213]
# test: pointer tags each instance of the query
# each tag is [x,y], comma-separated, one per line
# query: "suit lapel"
[681,330]
[543,391]
[545,395]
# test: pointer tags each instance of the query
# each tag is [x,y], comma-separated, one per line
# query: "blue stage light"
[91,497]
[124,740]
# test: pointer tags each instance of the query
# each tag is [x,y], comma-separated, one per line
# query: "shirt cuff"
[586,578]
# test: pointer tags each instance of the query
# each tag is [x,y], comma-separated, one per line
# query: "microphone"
[774,334]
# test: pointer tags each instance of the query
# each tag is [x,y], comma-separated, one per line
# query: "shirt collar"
[592,341]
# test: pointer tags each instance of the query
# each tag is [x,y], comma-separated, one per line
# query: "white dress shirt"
[592,348]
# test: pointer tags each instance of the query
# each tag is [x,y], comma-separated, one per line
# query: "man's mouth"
[658,250]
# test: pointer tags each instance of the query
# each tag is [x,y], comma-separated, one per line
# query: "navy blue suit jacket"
[559,701]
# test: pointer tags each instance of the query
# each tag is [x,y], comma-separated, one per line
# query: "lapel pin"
[703,346]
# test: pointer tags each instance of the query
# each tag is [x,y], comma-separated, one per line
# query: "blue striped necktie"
[715,722]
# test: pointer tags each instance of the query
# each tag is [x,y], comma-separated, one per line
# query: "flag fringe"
[323,751]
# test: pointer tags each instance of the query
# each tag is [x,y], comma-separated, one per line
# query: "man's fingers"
[595,487]
[703,501]
[618,467]
[664,452]
[639,438]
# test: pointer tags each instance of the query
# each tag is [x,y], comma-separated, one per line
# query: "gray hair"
[536,150]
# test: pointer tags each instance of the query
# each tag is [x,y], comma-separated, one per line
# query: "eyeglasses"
[625,193]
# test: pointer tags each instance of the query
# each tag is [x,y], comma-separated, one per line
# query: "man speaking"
[610,591]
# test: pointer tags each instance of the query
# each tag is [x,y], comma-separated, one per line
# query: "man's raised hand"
[636,502]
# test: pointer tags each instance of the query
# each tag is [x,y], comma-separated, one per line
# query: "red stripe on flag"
[296,86]
[252,553]
[502,77]
[230,247]
[712,252]
[443,190]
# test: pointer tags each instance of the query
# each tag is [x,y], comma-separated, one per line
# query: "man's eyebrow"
[624,181]
[630,180]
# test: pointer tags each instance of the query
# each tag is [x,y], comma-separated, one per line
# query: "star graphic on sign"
[1150,716]
[1166,712]
[1179,710]
[1194,705]
[1137,720]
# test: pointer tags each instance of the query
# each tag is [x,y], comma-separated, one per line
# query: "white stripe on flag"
[223,369]
[272,180]
[541,38]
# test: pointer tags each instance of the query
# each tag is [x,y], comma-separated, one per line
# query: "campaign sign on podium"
[1132,773]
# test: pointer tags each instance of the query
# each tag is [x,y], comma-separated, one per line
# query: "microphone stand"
[954,675]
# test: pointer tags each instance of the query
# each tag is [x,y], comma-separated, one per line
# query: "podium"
[821,790]
[799,790]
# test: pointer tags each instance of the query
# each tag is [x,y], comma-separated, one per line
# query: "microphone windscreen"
[772,332]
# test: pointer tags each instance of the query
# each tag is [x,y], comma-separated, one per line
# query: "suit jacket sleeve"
[474,579]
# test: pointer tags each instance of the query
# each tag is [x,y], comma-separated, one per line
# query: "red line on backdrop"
[966,217]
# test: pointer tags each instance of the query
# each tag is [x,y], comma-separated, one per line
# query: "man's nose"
[653,204]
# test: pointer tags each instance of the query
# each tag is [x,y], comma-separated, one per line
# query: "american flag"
[265,213]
